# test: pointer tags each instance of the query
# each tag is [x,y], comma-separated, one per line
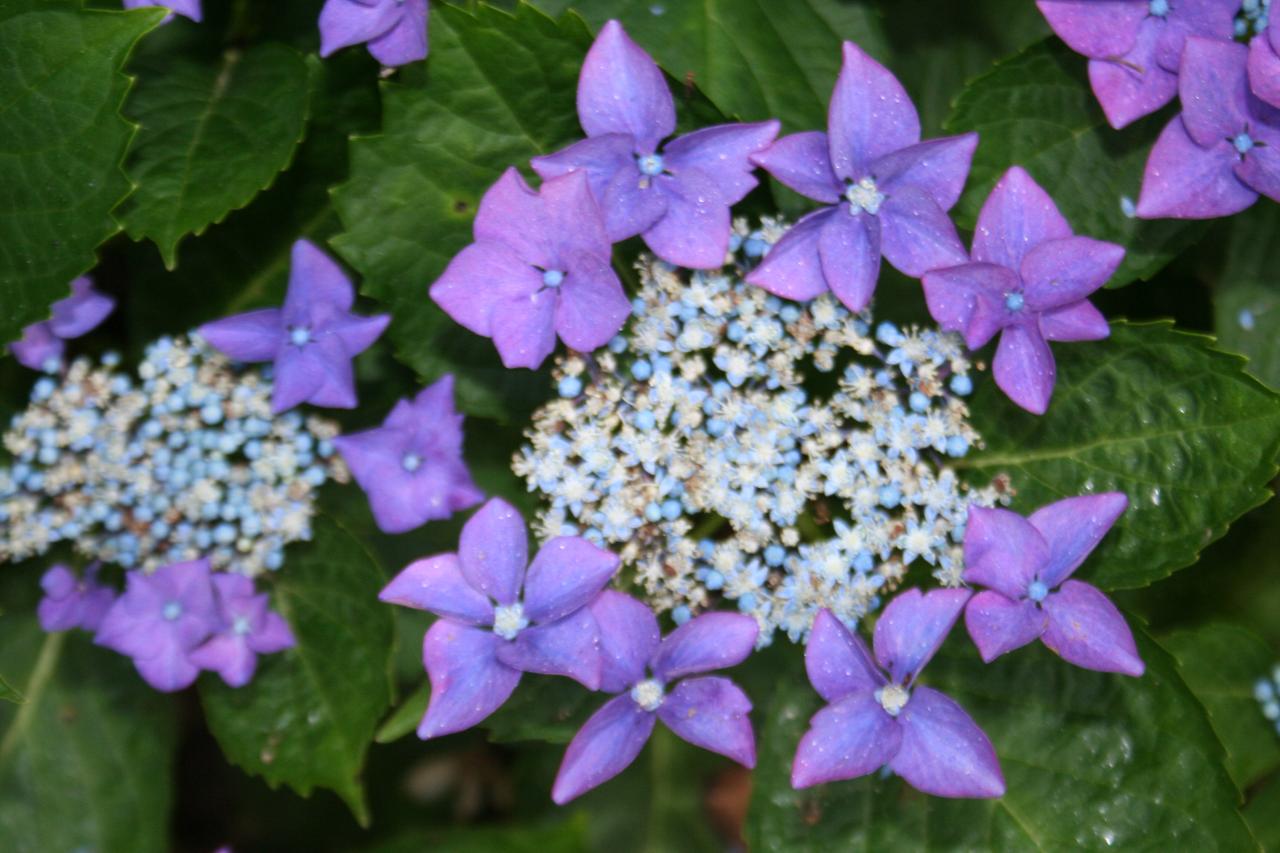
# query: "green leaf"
[1263,815]
[1036,110]
[1091,760]
[1246,294]
[1158,414]
[61,142]
[9,693]
[404,719]
[212,134]
[565,836]
[1220,663]
[309,714]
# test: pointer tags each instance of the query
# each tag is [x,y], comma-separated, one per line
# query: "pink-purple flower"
[649,674]
[540,267]
[311,339]
[1026,565]
[73,602]
[499,619]
[395,31]
[1028,280]
[187,8]
[878,716]
[246,627]
[41,346]
[888,192]
[675,195]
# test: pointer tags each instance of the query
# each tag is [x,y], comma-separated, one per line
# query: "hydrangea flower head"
[246,628]
[311,339]
[411,467]
[1028,280]
[72,602]
[394,30]
[1026,565]
[501,615]
[648,672]
[676,196]
[186,8]
[540,267]
[1264,65]
[879,716]
[41,346]
[888,192]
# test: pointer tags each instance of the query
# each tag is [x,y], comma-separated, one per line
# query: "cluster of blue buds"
[1252,18]
[184,462]
[733,445]
[1267,692]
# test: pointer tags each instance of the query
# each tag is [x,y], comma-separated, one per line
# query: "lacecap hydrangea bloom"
[395,31]
[42,344]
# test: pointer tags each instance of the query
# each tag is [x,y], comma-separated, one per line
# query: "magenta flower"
[311,339]
[411,467]
[540,266]
[1028,280]
[394,30]
[879,716]
[41,346]
[161,617]
[1264,65]
[187,8]
[1025,564]
[888,192]
[1135,46]
[649,674]
[498,620]
[246,628]
[72,602]
[1215,158]
[676,196]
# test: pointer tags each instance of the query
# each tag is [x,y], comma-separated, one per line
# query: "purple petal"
[1098,29]
[406,41]
[869,116]
[1086,629]
[633,203]
[574,218]
[793,267]
[189,8]
[604,747]
[1264,68]
[566,573]
[917,235]
[1072,528]
[621,90]
[937,167]
[1184,181]
[802,161]
[694,232]
[38,346]
[850,250]
[1002,550]
[167,668]
[569,647]
[969,298]
[436,584]
[81,312]
[1213,18]
[1134,84]
[592,306]
[274,635]
[1078,322]
[838,661]
[913,626]
[998,625]
[1060,272]
[513,215]
[722,153]
[1260,170]
[356,333]
[319,373]
[315,278]
[227,655]
[403,500]
[524,329]
[851,738]
[711,712]
[943,751]
[1018,216]
[478,279]
[253,336]
[629,637]
[1024,367]
[599,157]
[493,551]
[468,682]
[711,641]
[1214,89]
[347,22]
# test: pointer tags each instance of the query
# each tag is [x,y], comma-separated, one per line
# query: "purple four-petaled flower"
[649,674]
[312,338]
[187,8]
[1026,563]
[41,346]
[879,716]
[1028,280]
[888,192]
[246,627]
[395,31]
[499,620]
[72,602]
[1264,65]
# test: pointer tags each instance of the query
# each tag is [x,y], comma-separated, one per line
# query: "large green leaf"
[309,714]
[61,142]
[9,693]
[1158,414]
[1091,760]
[564,836]
[1246,294]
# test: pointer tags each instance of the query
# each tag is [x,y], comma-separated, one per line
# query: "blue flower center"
[411,462]
[863,196]
[299,336]
[1243,143]
[1037,591]
[508,620]
[1159,8]
[240,627]
[1014,301]
[552,278]
[893,698]
[648,694]
[650,164]
[172,610]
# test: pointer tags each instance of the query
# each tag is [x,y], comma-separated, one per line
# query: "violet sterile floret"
[648,674]
[1028,280]
[499,619]
[888,192]
[395,31]
[675,195]
[1264,65]
[1026,565]
[246,627]
[186,8]
[73,602]
[41,346]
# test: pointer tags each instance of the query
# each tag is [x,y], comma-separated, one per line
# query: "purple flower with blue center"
[411,467]
[395,31]
[1223,151]
[540,267]
[73,602]
[246,628]
[879,716]
[497,619]
[1026,565]
[160,619]
[1028,280]
[649,674]
[675,195]
[888,192]
[1135,46]
[41,346]
[186,8]
[311,339]
[1264,65]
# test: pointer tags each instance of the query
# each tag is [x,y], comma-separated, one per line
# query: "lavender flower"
[888,192]
[41,346]
[395,30]
[1028,280]
[648,673]
[1215,158]
[878,716]
[1026,563]
[72,602]
[1135,46]
[411,467]
[539,267]
[246,628]
[499,620]
[1264,65]
[188,8]
[677,196]
[311,339]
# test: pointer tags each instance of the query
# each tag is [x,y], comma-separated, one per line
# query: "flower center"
[1243,143]
[1159,8]
[1013,301]
[1037,591]
[508,620]
[240,626]
[411,462]
[650,165]
[299,336]
[863,196]
[172,610]
[552,278]
[893,698]
[648,694]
